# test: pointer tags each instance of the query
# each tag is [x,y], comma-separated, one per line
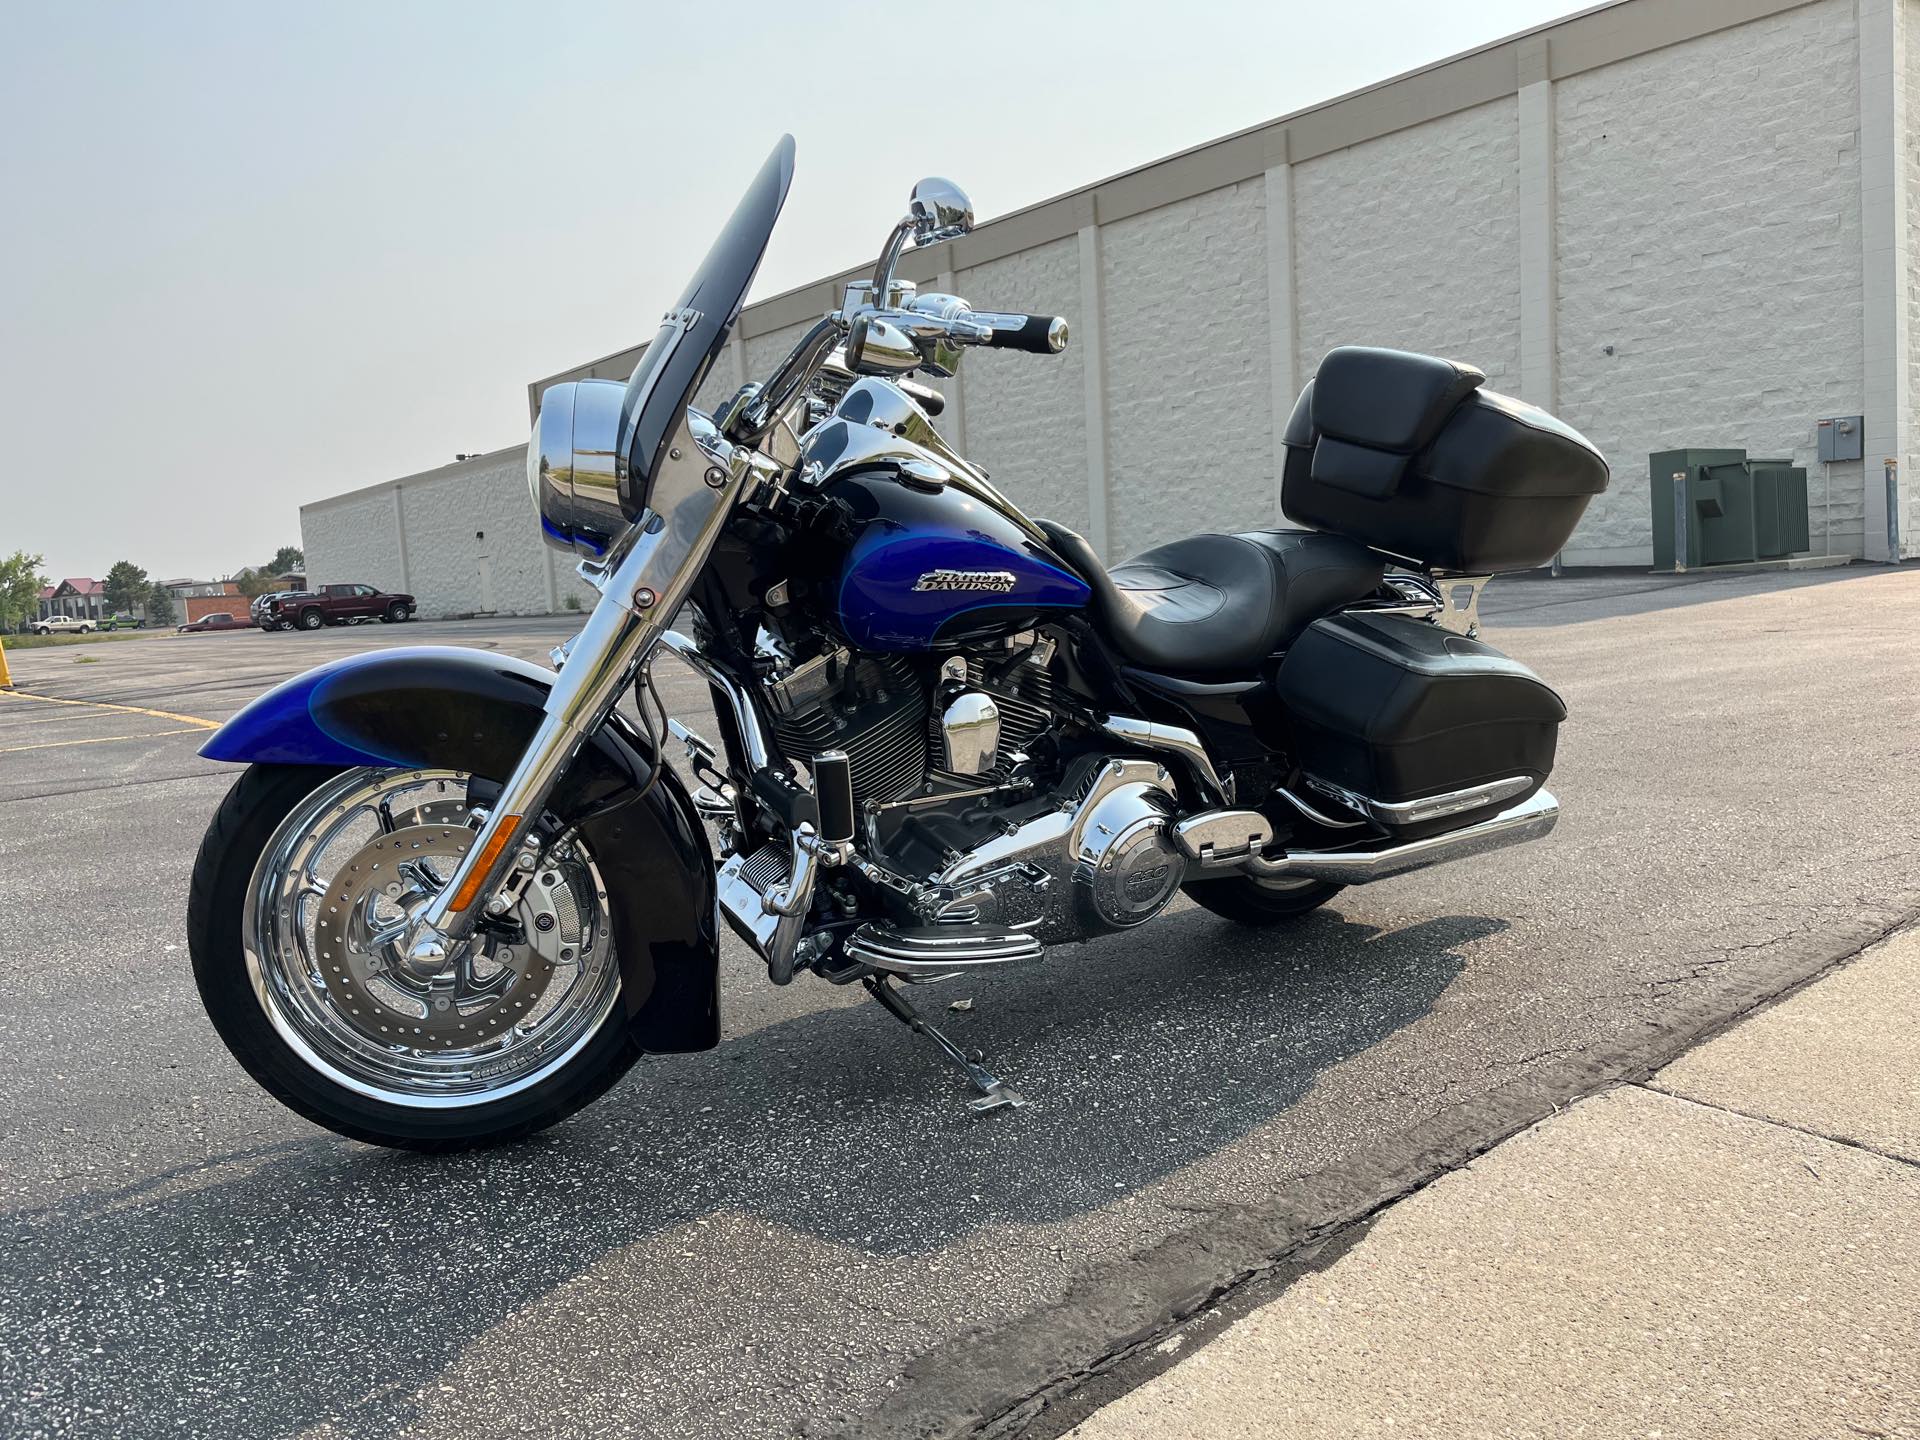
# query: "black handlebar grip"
[833,793]
[1036,334]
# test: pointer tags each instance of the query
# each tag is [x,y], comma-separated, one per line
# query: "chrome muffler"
[1529,820]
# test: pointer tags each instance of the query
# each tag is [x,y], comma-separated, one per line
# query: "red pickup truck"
[338,605]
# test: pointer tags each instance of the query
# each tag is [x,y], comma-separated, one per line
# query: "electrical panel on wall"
[1840,437]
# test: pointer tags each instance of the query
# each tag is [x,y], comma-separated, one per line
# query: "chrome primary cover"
[1127,867]
[1106,860]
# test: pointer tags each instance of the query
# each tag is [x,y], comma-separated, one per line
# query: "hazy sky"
[256,254]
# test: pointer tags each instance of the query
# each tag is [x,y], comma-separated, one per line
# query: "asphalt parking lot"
[804,1231]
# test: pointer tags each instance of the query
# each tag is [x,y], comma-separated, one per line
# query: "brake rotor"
[496,983]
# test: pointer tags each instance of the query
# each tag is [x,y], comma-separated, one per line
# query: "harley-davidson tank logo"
[996,582]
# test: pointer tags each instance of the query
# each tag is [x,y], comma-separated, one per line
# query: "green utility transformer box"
[1737,510]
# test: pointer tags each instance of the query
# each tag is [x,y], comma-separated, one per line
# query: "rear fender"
[476,710]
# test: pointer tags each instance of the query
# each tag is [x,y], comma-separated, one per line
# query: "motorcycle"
[455,896]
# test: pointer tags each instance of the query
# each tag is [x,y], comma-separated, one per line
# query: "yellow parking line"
[193,720]
[99,740]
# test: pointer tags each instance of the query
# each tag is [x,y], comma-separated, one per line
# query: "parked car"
[64,625]
[219,620]
[342,605]
[265,616]
[124,622]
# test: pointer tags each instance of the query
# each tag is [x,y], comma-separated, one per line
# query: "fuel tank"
[914,562]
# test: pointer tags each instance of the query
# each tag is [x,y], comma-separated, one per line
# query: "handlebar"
[1035,334]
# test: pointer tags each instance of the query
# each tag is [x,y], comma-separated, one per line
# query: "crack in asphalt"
[1126,1321]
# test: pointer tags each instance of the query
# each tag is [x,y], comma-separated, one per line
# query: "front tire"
[396,613]
[254,961]
[1247,901]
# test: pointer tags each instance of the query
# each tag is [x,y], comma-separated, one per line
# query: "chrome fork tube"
[693,495]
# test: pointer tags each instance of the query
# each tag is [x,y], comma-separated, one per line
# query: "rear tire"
[217,922]
[1247,901]
[312,619]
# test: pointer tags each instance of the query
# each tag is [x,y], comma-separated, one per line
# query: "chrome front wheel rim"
[327,901]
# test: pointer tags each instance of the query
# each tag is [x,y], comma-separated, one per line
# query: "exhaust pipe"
[1529,820]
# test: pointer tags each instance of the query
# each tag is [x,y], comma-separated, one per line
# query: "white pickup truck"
[64,625]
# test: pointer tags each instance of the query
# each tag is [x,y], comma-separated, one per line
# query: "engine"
[909,734]
[962,794]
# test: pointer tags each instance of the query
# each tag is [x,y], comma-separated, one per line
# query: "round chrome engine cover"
[1127,869]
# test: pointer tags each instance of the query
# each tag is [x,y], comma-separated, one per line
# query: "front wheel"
[396,612]
[1247,901]
[302,890]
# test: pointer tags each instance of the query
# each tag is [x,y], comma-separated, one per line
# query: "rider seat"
[1213,603]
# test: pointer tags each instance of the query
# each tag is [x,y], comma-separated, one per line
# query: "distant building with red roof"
[80,596]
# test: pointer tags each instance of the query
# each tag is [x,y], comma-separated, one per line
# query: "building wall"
[1664,202]
[1031,430]
[1412,241]
[473,545]
[353,538]
[1708,199]
[198,607]
[1188,388]
[1911,118]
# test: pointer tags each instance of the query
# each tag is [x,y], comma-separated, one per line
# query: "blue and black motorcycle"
[453,897]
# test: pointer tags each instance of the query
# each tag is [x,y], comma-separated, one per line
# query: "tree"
[159,604]
[255,583]
[287,560]
[126,586]
[20,582]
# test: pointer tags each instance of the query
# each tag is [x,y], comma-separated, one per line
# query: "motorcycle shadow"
[1139,1054]
[304,1271]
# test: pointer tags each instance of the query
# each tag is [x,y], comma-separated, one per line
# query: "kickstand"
[994,1092]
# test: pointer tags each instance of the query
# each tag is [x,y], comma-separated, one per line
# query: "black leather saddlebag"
[1408,454]
[1391,710]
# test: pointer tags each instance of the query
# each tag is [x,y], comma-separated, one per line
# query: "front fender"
[476,710]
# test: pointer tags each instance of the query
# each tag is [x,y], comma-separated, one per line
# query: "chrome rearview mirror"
[940,210]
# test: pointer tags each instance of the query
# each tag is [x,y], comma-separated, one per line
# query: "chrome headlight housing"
[571,466]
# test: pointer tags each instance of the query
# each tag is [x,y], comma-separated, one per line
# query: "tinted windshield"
[678,357]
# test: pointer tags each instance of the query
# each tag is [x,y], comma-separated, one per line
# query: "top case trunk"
[1409,455]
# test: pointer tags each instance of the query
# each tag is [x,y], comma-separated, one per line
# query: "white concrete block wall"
[473,545]
[1709,232]
[1910,489]
[1413,241]
[353,539]
[1666,248]
[1189,400]
[471,539]
[1030,433]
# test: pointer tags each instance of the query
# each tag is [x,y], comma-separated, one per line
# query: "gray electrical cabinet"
[1737,510]
[1840,437]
